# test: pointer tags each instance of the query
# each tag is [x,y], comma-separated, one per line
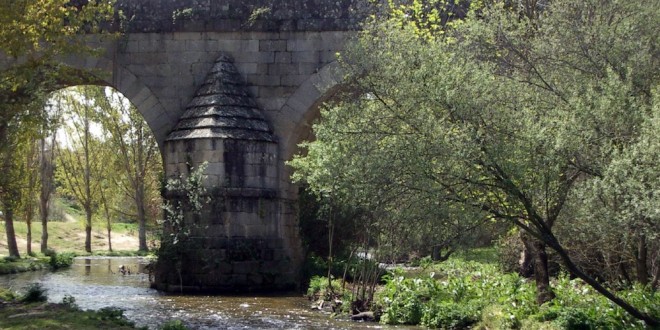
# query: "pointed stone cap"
[222,108]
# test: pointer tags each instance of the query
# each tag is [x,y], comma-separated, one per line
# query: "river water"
[95,283]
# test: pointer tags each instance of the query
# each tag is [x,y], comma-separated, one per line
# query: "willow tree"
[32,36]
[502,113]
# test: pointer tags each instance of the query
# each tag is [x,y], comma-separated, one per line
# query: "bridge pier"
[237,241]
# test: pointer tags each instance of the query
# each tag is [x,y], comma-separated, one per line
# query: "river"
[95,283]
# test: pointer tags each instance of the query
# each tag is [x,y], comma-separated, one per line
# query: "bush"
[116,315]
[319,289]
[173,325]
[34,292]
[450,315]
[61,260]
[69,301]
[6,295]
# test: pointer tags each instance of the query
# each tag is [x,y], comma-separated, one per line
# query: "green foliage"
[459,294]
[113,314]
[61,260]
[69,301]
[319,289]
[7,295]
[173,325]
[34,292]
[505,116]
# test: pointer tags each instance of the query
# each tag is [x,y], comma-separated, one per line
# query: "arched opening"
[90,161]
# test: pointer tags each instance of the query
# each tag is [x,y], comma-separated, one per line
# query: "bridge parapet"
[241,15]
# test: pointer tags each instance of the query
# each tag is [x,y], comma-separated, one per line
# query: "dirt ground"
[73,241]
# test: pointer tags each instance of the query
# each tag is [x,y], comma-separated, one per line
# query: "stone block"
[311,42]
[255,279]
[293,79]
[255,56]
[283,57]
[280,69]
[246,267]
[216,168]
[306,57]
[262,80]
[272,45]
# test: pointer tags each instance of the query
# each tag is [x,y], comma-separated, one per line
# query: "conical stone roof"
[222,108]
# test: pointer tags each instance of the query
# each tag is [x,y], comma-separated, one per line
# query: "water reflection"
[96,282]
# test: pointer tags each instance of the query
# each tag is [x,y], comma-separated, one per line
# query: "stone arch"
[128,84]
[303,106]
[294,122]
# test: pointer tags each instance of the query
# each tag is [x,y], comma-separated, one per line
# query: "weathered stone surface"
[241,15]
[244,118]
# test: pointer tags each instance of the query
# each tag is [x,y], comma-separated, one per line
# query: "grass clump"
[173,325]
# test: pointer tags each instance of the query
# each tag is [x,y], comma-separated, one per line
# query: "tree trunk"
[541,275]
[11,234]
[46,177]
[641,259]
[43,208]
[29,237]
[526,262]
[142,219]
[109,239]
[651,321]
[88,229]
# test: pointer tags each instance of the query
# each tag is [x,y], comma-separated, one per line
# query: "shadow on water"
[97,282]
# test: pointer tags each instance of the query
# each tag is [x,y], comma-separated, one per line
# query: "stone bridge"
[235,84]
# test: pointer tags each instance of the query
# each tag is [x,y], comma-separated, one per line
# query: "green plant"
[450,315]
[116,315]
[318,288]
[61,260]
[173,325]
[34,292]
[6,295]
[69,301]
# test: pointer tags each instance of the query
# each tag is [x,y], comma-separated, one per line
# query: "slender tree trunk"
[88,229]
[7,199]
[11,234]
[106,210]
[142,218]
[29,237]
[537,249]
[575,270]
[641,259]
[46,177]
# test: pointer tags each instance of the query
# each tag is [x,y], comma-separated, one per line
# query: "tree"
[81,165]
[46,181]
[137,152]
[32,35]
[30,188]
[503,113]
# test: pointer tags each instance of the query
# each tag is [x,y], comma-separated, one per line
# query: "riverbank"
[13,266]
[16,314]
[460,293]
[70,237]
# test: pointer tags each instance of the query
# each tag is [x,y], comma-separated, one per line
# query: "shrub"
[451,315]
[173,325]
[6,295]
[318,288]
[69,301]
[116,315]
[61,260]
[34,292]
